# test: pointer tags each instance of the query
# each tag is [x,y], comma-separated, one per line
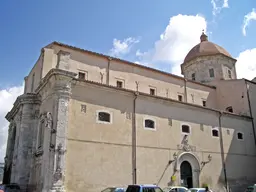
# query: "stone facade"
[87,121]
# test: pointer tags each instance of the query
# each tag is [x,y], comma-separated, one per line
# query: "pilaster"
[58,141]
[22,113]
[63,60]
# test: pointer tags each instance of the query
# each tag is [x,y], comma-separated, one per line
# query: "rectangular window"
[152,91]
[32,83]
[193,76]
[81,75]
[119,84]
[204,103]
[211,72]
[41,134]
[180,97]
[229,74]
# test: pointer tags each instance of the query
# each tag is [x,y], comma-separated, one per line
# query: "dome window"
[211,72]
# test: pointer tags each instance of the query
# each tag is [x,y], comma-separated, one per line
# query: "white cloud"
[247,18]
[181,34]
[122,47]
[218,5]
[225,4]
[246,64]
[7,98]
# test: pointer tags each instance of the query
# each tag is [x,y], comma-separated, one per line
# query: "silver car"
[114,189]
[175,189]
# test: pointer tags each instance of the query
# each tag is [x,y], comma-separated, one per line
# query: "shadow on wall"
[151,107]
[238,155]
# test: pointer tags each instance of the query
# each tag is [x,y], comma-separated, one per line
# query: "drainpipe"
[185,90]
[108,69]
[134,163]
[222,153]
[250,109]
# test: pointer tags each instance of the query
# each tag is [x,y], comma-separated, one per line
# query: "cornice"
[54,72]
[141,94]
[28,98]
[249,81]
[207,55]
[125,62]
[192,61]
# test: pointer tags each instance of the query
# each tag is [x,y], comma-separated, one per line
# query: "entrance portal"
[186,175]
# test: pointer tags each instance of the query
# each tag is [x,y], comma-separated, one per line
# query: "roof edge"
[185,62]
[127,62]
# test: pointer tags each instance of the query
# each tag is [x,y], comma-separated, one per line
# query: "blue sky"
[27,26]
[153,33]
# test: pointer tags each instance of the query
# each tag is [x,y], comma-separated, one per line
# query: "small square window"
[180,97]
[215,132]
[81,75]
[193,76]
[148,123]
[152,91]
[119,84]
[211,72]
[104,117]
[240,136]
[204,103]
[185,129]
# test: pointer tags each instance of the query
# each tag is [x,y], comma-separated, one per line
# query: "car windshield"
[110,189]
[119,190]
[249,189]
[133,188]
[193,190]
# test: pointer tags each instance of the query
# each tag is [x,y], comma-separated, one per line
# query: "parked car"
[13,187]
[251,188]
[114,189]
[143,188]
[198,190]
[175,189]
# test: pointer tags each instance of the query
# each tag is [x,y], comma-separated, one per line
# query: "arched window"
[185,129]
[229,109]
[149,124]
[240,136]
[104,117]
[215,132]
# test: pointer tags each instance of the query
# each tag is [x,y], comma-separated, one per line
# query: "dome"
[204,48]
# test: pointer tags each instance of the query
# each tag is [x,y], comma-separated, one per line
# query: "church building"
[87,121]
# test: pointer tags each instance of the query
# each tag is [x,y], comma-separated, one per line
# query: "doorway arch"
[186,174]
[190,162]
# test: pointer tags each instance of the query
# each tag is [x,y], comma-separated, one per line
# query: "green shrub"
[204,185]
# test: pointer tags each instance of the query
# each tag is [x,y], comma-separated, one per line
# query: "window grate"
[149,124]
[104,116]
